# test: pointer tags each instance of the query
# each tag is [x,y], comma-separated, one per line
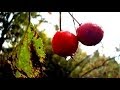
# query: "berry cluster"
[65,43]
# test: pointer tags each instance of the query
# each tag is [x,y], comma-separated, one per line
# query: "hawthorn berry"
[89,34]
[64,43]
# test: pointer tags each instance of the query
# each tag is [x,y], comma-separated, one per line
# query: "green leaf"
[37,42]
[24,62]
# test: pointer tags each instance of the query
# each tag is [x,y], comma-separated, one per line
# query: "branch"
[7,25]
[22,72]
[15,15]
[29,18]
[7,15]
[74,18]
[80,62]
[103,64]
[60,21]
[15,67]
[74,23]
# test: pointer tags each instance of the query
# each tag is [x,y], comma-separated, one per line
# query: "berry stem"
[74,18]
[60,21]
[29,18]
[74,23]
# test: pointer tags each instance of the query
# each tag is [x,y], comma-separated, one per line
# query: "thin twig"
[81,62]
[29,21]
[60,21]
[103,64]
[102,46]
[15,15]
[74,23]
[22,72]
[74,18]
[29,18]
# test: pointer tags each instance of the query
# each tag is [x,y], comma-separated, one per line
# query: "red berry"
[89,34]
[64,43]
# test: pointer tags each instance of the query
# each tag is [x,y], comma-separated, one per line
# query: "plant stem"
[74,18]
[60,21]
[74,23]
[29,18]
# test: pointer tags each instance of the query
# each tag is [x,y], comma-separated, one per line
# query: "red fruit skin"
[89,34]
[64,43]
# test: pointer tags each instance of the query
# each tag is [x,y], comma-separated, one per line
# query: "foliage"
[29,56]
[80,66]
[12,27]
[32,56]
[97,66]
[26,59]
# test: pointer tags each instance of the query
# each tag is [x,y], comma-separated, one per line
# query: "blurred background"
[108,21]
[19,46]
